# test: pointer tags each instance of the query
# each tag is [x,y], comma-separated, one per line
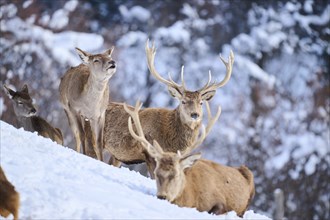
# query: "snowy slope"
[57,183]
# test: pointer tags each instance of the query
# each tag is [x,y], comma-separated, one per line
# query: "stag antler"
[151,52]
[229,66]
[134,114]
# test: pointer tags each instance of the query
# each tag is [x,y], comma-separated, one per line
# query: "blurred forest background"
[275,108]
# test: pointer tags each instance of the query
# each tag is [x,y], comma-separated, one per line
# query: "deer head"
[191,102]
[101,65]
[169,172]
[22,101]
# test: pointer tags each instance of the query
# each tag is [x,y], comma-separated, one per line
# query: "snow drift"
[55,182]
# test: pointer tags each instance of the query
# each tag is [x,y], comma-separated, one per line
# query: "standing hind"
[84,94]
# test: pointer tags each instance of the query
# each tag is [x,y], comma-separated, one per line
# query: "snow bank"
[56,182]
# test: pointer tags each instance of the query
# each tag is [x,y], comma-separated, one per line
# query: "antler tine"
[208,82]
[135,115]
[151,52]
[172,81]
[229,67]
[211,120]
[182,79]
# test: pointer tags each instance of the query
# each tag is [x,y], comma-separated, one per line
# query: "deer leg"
[218,209]
[100,139]
[114,162]
[96,142]
[89,140]
[74,125]
[80,131]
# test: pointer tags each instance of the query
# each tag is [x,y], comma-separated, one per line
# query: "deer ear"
[10,93]
[176,93]
[189,160]
[84,56]
[208,95]
[109,51]
[25,89]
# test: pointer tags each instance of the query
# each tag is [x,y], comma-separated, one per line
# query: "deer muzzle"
[112,64]
[194,115]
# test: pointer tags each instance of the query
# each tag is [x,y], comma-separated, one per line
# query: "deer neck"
[95,89]
[183,133]
[181,197]
[96,85]
[26,123]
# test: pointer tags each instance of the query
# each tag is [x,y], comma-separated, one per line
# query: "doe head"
[22,102]
[102,66]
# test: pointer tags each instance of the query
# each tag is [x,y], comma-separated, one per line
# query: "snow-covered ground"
[55,182]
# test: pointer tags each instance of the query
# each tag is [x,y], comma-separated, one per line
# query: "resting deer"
[84,94]
[9,198]
[188,181]
[173,129]
[26,115]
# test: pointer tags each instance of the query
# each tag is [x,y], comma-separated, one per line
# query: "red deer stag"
[188,181]
[84,94]
[173,129]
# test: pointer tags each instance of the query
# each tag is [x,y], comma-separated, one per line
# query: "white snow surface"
[56,182]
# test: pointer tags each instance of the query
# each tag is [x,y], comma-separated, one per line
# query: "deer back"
[216,188]
[46,130]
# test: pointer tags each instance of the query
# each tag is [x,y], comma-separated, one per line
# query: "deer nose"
[112,64]
[33,111]
[161,197]
[194,115]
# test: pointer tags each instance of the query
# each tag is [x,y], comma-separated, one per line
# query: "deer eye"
[183,102]
[20,103]
[96,61]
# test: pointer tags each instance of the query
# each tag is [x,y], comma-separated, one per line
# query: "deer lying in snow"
[173,129]
[9,198]
[188,181]
[84,94]
[25,113]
